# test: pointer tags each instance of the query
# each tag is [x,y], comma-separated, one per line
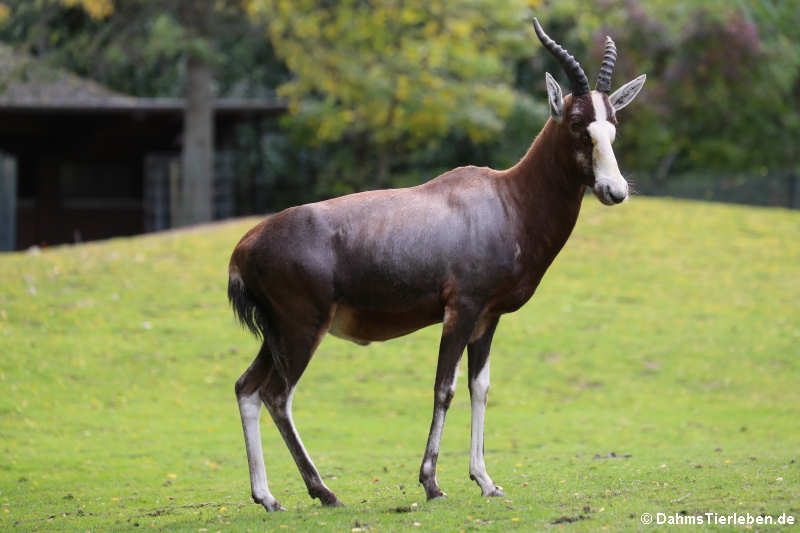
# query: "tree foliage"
[392,92]
[398,79]
[723,86]
[97,9]
[398,74]
[141,46]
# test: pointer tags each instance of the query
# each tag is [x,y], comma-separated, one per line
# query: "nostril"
[617,198]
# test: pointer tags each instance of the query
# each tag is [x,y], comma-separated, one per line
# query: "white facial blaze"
[603,159]
[610,186]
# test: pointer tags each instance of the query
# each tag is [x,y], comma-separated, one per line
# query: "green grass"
[666,330]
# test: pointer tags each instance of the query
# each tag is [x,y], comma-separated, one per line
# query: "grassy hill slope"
[666,332]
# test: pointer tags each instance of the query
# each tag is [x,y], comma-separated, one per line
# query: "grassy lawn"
[656,370]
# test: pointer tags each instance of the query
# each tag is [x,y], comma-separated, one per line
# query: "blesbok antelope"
[461,249]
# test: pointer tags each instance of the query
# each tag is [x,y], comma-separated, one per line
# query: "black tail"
[245,307]
[252,314]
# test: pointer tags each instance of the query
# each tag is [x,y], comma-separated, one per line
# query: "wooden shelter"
[82,162]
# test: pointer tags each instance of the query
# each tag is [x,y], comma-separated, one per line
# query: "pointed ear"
[625,94]
[554,97]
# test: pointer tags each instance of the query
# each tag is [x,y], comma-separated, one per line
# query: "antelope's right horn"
[607,67]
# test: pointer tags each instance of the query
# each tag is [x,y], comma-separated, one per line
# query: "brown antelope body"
[461,249]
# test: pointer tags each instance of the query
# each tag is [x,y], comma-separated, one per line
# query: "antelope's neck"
[546,199]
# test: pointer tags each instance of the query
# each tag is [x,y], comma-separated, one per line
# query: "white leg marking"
[479,389]
[434,441]
[435,437]
[249,409]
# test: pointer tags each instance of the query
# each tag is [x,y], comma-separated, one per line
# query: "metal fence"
[8,201]
[774,189]
[162,188]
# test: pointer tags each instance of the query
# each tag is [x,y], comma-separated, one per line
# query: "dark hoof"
[328,499]
[436,494]
[334,503]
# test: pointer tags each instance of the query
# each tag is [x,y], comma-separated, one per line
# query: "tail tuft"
[245,307]
[251,314]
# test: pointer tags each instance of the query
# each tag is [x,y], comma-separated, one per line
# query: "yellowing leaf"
[97,9]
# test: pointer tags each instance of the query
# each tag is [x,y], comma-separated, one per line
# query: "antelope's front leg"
[455,334]
[479,393]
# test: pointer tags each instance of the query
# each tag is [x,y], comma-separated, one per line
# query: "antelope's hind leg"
[247,395]
[296,344]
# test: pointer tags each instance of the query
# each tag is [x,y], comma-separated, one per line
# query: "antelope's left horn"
[607,68]
[577,78]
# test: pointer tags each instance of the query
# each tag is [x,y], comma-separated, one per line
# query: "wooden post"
[197,158]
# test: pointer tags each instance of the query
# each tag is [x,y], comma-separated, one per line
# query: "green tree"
[723,86]
[391,77]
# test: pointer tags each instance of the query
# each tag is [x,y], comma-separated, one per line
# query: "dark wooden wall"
[81,172]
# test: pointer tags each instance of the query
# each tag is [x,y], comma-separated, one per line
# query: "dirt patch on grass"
[569,519]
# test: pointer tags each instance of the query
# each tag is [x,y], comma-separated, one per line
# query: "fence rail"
[776,189]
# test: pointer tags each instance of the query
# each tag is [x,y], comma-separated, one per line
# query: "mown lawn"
[656,370]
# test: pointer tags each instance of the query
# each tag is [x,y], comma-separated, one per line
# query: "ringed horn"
[579,84]
[607,67]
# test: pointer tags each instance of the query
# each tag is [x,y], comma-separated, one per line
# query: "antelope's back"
[386,249]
